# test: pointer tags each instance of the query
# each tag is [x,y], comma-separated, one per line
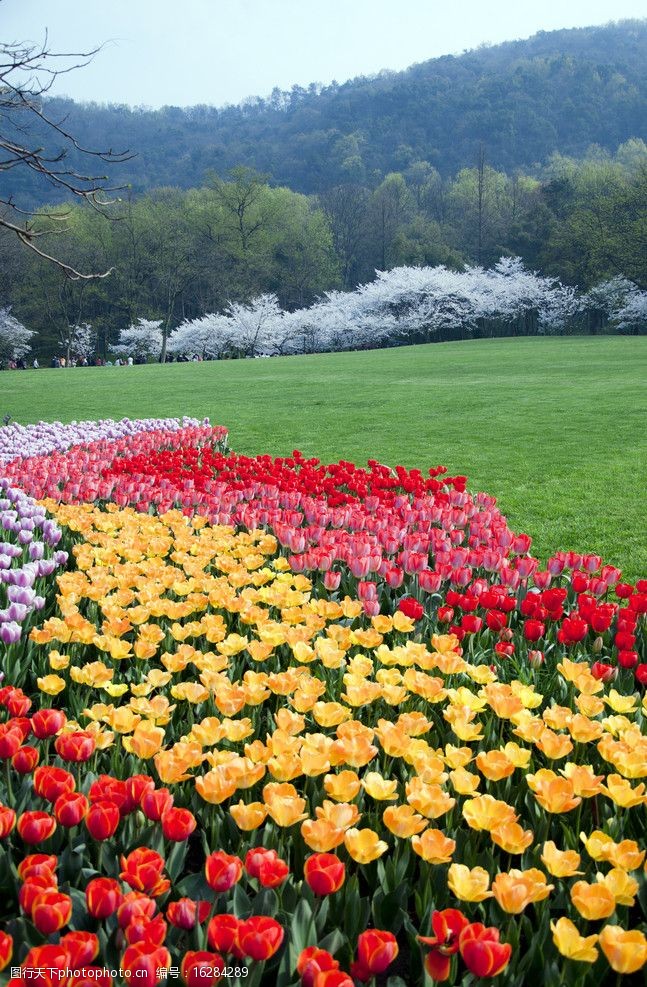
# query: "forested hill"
[560,91]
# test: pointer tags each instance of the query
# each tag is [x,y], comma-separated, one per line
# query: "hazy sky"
[181,52]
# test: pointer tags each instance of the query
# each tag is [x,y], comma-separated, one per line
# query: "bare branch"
[27,73]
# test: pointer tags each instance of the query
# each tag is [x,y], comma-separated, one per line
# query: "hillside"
[559,91]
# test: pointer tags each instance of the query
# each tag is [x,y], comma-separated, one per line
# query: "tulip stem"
[7,765]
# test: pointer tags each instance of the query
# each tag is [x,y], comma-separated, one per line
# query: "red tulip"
[106,788]
[155,803]
[103,895]
[312,961]
[333,978]
[48,722]
[18,704]
[259,937]
[438,965]
[496,620]
[641,674]
[141,963]
[223,871]
[376,950]
[605,673]
[447,926]
[36,864]
[10,740]
[6,949]
[32,888]
[102,819]
[34,827]
[7,821]
[142,870]
[25,760]
[324,872]
[178,824]
[573,629]
[136,787]
[132,906]
[76,747]
[185,913]
[222,933]
[49,783]
[50,911]
[471,624]
[82,948]
[266,866]
[149,930]
[201,968]
[70,809]
[482,952]
[533,630]
[627,659]
[51,959]
[411,608]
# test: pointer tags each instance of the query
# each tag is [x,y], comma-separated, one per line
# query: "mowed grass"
[554,428]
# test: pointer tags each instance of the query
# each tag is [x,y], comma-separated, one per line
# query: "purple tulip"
[22,595]
[10,633]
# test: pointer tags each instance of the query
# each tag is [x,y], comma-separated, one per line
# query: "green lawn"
[555,428]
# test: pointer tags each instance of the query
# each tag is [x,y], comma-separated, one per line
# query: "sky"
[183,52]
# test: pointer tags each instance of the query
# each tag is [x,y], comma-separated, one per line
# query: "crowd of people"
[60,362]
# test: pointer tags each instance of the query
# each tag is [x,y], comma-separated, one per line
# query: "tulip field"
[272,722]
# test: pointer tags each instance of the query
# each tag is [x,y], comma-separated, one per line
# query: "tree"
[33,140]
[143,341]
[78,341]
[14,337]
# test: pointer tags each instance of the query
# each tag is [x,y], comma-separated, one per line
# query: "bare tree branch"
[27,73]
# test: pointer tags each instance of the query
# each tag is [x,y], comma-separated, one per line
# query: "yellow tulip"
[593,901]
[434,846]
[625,949]
[621,885]
[469,885]
[511,837]
[495,765]
[403,821]
[364,845]
[51,684]
[560,863]
[379,788]
[320,835]
[517,889]
[343,786]
[571,944]
[486,812]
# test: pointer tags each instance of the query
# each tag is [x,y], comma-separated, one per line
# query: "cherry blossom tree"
[14,337]
[141,341]
[78,341]
[403,305]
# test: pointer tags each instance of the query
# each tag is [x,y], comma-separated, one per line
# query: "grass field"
[554,428]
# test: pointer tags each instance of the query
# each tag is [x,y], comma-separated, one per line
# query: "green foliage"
[558,91]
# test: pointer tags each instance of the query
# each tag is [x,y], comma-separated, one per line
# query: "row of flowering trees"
[404,305]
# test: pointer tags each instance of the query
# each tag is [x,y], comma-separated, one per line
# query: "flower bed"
[289,723]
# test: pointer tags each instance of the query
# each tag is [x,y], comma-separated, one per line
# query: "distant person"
[117,362]
[61,362]
[130,361]
[36,364]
